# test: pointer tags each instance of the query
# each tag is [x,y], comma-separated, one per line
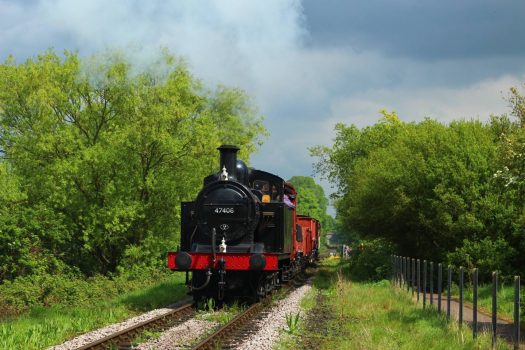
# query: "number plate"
[225,210]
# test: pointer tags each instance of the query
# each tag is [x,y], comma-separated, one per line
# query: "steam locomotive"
[242,237]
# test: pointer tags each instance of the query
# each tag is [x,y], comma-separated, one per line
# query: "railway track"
[226,333]
[123,339]
[226,336]
[230,335]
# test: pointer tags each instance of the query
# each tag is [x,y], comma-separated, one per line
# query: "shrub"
[487,255]
[42,290]
[372,261]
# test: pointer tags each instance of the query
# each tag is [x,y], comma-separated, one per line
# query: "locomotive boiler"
[241,236]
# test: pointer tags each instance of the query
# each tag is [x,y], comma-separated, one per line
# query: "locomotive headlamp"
[266,198]
[183,261]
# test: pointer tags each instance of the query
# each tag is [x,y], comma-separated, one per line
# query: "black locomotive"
[239,236]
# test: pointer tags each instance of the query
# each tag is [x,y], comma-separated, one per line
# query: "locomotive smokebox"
[229,159]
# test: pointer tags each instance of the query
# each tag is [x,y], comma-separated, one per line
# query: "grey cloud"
[426,30]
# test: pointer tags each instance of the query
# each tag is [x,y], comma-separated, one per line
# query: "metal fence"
[418,277]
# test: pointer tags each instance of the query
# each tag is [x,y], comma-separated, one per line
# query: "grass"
[505,295]
[145,336]
[43,327]
[222,315]
[360,315]
[505,299]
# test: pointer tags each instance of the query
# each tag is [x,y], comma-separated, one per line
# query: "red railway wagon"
[311,229]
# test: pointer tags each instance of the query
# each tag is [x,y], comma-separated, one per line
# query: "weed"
[145,336]
[221,316]
[292,321]
[208,305]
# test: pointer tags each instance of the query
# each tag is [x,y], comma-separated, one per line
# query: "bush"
[43,290]
[372,261]
[487,255]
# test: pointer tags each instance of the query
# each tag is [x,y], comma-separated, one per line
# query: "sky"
[307,65]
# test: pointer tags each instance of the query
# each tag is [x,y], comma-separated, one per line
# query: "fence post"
[413,275]
[440,283]
[408,273]
[400,271]
[395,270]
[461,279]
[398,274]
[418,278]
[407,277]
[392,268]
[403,261]
[516,312]
[448,290]
[424,283]
[475,303]
[494,307]
[407,263]
[431,283]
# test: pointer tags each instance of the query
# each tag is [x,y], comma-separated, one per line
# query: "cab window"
[262,185]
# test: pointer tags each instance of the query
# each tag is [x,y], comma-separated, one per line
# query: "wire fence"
[419,278]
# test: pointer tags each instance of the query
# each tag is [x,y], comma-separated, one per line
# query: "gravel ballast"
[179,337]
[270,327]
[267,329]
[104,332]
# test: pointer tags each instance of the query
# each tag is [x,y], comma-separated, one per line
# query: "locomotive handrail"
[213,237]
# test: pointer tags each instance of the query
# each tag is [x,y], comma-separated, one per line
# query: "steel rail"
[230,331]
[214,340]
[124,337]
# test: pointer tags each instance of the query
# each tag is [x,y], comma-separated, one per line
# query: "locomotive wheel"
[277,280]
[268,286]
[260,291]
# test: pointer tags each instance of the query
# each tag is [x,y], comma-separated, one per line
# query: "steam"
[223,41]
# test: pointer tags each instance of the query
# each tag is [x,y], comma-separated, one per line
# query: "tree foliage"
[98,156]
[312,200]
[429,188]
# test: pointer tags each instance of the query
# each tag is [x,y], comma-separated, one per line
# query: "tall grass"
[43,327]
[377,316]
[504,295]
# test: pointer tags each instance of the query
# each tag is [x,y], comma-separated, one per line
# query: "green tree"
[425,187]
[311,200]
[338,163]
[108,153]
[510,175]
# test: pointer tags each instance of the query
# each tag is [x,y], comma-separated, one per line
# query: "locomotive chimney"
[229,159]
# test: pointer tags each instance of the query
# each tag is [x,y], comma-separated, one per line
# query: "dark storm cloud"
[447,29]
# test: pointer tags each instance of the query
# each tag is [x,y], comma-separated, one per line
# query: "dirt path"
[317,324]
